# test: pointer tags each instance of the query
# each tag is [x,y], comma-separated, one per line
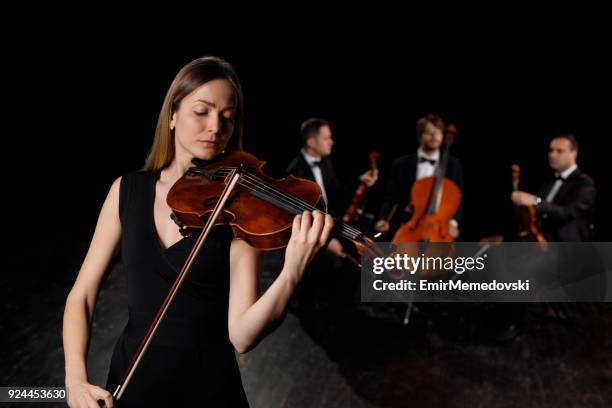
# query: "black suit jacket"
[399,185]
[299,167]
[570,215]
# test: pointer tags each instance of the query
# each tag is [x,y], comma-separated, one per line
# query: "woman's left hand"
[310,232]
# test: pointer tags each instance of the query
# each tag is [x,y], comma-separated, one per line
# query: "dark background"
[81,108]
[82,116]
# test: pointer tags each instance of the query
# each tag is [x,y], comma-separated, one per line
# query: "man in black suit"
[321,290]
[565,203]
[313,163]
[395,207]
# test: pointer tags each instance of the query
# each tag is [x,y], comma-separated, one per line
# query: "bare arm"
[81,302]
[250,318]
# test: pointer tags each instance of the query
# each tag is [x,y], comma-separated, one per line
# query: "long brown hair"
[188,79]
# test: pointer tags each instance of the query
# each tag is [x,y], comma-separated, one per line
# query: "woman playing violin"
[218,309]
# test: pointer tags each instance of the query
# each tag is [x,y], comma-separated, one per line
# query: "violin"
[355,209]
[260,211]
[435,200]
[234,191]
[525,216]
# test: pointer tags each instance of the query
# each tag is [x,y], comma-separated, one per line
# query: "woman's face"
[204,120]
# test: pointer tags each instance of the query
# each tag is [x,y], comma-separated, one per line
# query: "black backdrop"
[81,115]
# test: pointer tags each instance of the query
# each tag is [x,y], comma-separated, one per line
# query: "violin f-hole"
[211,201]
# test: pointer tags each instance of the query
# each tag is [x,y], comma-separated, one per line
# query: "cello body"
[425,226]
[434,200]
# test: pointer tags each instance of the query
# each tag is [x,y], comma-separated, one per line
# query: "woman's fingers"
[327,229]
[313,228]
[305,225]
[317,225]
[90,401]
[297,223]
[89,396]
[100,393]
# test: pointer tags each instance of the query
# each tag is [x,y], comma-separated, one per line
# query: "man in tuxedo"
[395,207]
[313,163]
[318,286]
[566,202]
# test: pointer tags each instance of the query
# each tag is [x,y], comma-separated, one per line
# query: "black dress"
[190,361]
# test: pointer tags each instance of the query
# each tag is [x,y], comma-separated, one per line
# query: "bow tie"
[315,164]
[559,177]
[430,161]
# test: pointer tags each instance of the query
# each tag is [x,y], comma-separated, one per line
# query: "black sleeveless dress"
[190,361]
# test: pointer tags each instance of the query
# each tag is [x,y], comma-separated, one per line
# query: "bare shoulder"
[111,204]
[102,248]
[114,189]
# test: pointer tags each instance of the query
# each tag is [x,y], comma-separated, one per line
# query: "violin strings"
[286,201]
[290,206]
[292,201]
[299,204]
[350,231]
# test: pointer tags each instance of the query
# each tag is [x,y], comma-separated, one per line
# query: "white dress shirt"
[555,188]
[316,170]
[426,169]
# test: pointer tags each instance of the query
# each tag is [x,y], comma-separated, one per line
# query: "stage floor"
[334,351]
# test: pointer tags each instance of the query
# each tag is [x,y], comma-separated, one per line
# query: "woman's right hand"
[82,394]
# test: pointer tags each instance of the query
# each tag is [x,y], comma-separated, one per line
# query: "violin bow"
[233,178]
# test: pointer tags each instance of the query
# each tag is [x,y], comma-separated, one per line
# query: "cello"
[435,200]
